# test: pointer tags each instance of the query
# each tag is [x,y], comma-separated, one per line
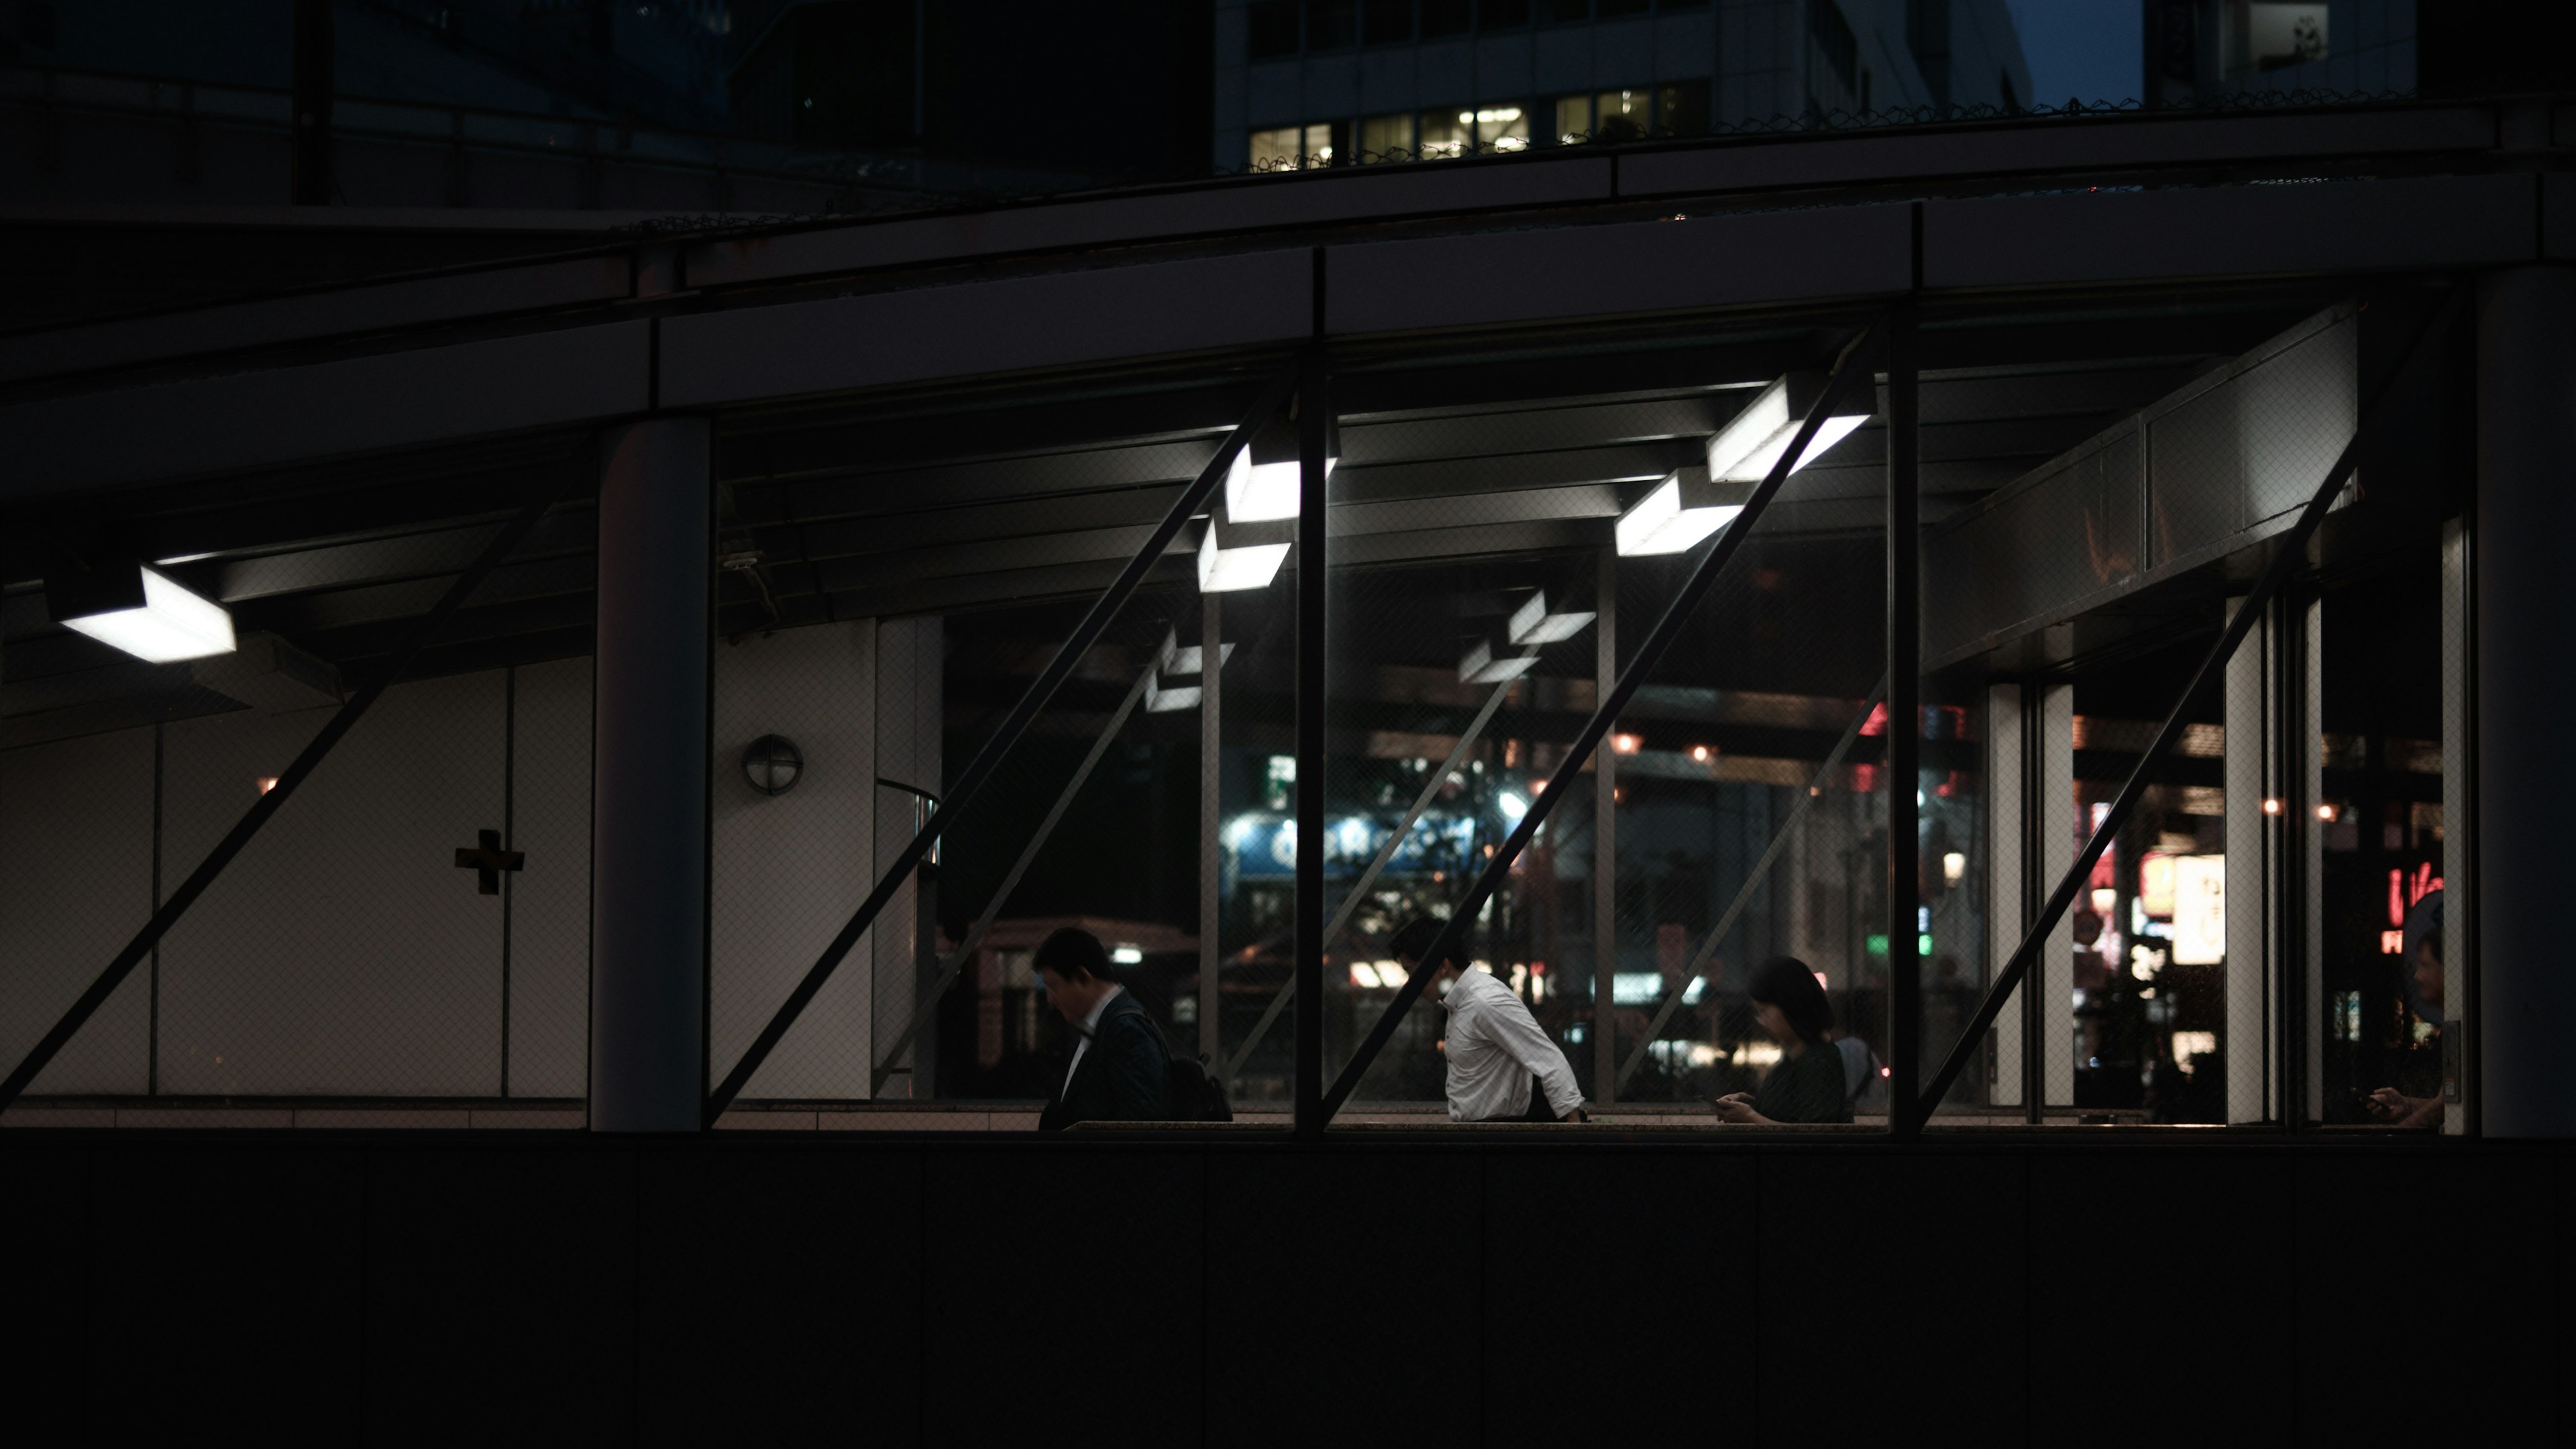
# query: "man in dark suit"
[1119,1056]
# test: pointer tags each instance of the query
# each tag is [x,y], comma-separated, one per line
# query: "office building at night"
[540,767]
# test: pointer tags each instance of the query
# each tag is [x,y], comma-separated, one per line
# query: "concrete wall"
[342,953]
[789,869]
[75,885]
[743,1289]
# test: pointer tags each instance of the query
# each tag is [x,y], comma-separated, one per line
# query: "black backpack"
[1190,1091]
[1194,1094]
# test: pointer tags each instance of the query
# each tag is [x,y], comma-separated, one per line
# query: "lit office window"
[1573,120]
[1501,128]
[1386,138]
[1292,148]
[1446,135]
[1621,115]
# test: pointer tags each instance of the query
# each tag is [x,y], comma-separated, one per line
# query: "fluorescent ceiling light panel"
[1232,570]
[1673,518]
[1745,449]
[1533,624]
[1255,492]
[170,624]
[1481,667]
[1159,700]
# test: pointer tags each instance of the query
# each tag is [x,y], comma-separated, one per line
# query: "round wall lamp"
[772,763]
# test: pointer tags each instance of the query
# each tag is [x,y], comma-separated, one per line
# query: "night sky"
[2086,49]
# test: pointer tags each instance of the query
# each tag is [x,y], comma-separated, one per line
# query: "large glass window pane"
[1386,21]
[2387,993]
[1502,128]
[1271,28]
[1621,115]
[1681,108]
[915,589]
[1386,138]
[1331,24]
[1445,135]
[1280,148]
[1482,602]
[1446,17]
[1573,120]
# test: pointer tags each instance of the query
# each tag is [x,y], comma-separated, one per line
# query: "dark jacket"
[1122,1078]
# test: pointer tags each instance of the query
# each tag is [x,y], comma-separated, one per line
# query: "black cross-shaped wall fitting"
[488,860]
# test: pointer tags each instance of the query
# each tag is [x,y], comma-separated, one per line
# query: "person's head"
[1075,967]
[1790,1003]
[1413,943]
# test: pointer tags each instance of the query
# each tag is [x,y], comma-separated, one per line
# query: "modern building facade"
[1315,82]
[2085,586]
[2202,51]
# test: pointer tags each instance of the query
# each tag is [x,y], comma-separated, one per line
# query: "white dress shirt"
[1090,1028]
[1495,1047]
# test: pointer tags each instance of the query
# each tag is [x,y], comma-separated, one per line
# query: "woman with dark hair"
[1807,1085]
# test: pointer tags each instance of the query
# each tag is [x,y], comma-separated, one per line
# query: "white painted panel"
[2243,1041]
[75,885]
[342,953]
[550,899]
[2056,746]
[789,869]
[2007,908]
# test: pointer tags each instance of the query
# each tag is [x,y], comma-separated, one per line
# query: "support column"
[2008,908]
[2459,831]
[1211,826]
[2254,831]
[1605,844]
[2525,690]
[2031,771]
[2050,730]
[1904,731]
[1314,442]
[649,847]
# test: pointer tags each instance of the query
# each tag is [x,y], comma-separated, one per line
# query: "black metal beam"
[1314,443]
[268,804]
[1904,723]
[928,1007]
[1675,617]
[2289,551]
[980,769]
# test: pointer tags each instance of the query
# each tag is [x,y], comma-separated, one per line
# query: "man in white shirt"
[1495,1047]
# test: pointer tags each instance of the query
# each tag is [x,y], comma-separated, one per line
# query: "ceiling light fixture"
[1533,624]
[1182,663]
[1481,667]
[1226,570]
[1682,510]
[1744,450]
[142,613]
[1257,491]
